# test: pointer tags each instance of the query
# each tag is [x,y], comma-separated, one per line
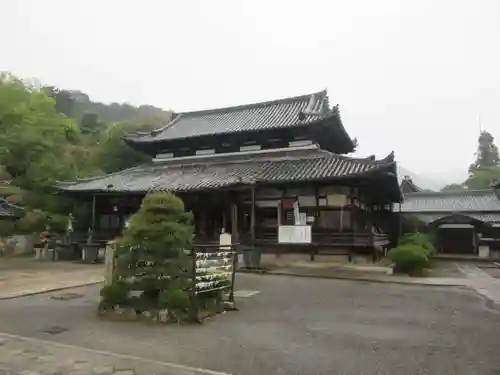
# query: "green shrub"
[115,294]
[174,299]
[409,259]
[152,247]
[421,240]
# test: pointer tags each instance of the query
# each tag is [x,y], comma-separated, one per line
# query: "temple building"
[255,170]
[463,220]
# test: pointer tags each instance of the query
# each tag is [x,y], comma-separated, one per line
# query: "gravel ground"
[293,326]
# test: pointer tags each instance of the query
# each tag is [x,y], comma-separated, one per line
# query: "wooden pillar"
[234,222]
[400,224]
[224,220]
[316,216]
[252,217]
[203,221]
[93,215]
[352,223]
[313,224]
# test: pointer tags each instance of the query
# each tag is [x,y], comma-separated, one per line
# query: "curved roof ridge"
[94,178]
[370,159]
[295,153]
[321,94]
[452,193]
[320,97]
[154,131]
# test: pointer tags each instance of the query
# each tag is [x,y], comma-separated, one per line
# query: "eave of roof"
[303,110]
[429,218]
[9,210]
[468,201]
[222,171]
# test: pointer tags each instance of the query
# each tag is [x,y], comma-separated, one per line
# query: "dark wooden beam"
[234,222]
[252,217]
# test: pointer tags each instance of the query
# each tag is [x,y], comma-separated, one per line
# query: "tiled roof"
[9,210]
[451,202]
[219,170]
[486,217]
[283,113]
[408,186]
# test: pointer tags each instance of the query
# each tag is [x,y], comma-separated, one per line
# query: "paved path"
[20,277]
[482,282]
[21,355]
[294,325]
[474,278]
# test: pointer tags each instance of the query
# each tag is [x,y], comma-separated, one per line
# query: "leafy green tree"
[152,249]
[64,102]
[90,123]
[113,153]
[33,135]
[487,152]
[34,142]
[485,171]
[41,142]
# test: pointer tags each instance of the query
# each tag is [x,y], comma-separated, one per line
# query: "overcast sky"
[409,75]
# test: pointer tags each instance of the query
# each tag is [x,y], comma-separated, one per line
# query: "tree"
[41,142]
[113,153]
[34,143]
[152,250]
[90,123]
[453,187]
[485,171]
[33,135]
[65,103]
[487,152]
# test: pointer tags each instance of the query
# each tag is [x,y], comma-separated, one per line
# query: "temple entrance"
[457,239]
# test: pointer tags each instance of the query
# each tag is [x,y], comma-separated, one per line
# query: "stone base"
[156,316]
[484,251]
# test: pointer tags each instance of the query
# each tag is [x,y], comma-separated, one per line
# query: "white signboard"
[299,234]
[296,213]
[302,218]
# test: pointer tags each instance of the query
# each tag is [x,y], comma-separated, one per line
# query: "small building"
[461,219]
[256,170]
[9,211]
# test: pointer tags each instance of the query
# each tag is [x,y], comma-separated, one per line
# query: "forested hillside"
[48,134]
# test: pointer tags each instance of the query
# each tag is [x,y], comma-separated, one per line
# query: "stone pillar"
[225,241]
[109,262]
[45,252]
[484,251]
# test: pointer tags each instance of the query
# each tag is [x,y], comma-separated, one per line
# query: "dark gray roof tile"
[408,186]
[484,217]
[450,202]
[283,113]
[219,171]
[9,210]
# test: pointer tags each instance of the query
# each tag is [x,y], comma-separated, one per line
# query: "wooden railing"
[322,237]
